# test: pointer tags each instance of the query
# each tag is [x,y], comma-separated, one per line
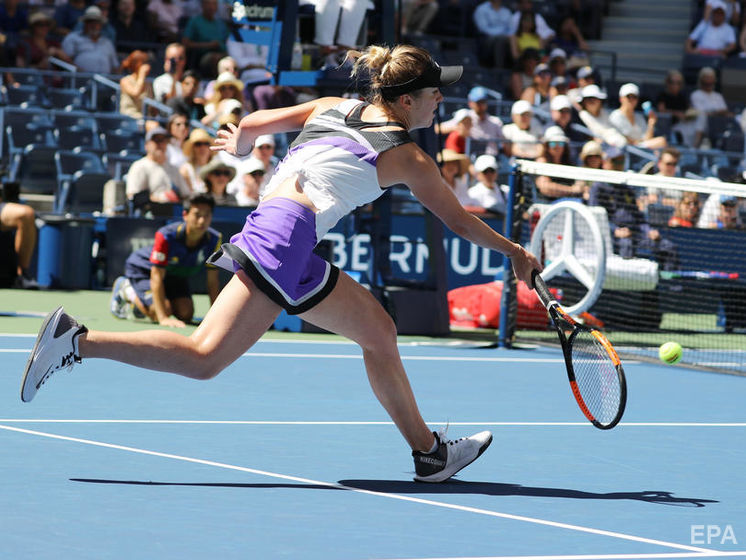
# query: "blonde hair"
[381,66]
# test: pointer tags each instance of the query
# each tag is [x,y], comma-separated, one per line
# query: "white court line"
[363,423]
[711,554]
[445,505]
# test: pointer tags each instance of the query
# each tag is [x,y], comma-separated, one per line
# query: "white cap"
[560,102]
[461,114]
[251,165]
[593,91]
[555,134]
[557,53]
[265,139]
[486,161]
[717,4]
[521,106]
[629,89]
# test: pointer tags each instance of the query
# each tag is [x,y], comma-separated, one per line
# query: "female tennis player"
[346,154]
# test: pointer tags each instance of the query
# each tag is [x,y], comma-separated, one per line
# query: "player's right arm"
[160,303]
[239,140]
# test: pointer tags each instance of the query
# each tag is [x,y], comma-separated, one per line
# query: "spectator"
[216,176]
[732,11]
[163,19]
[456,139]
[22,219]
[592,157]
[67,15]
[250,60]
[522,135]
[705,99]
[253,176]
[545,33]
[338,24]
[225,64]
[484,126]
[418,15]
[571,41]
[134,87]
[487,194]
[107,30]
[493,23]
[129,28]
[720,212]
[263,151]
[454,168]
[168,84]
[631,124]
[523,75]
[556,149]
[178,131]
[273,97]
[187,103]
[686,213]
[198,154]
[14,19]
[585,76]
[227,86]
[205,35]
[596,118]
[156,280]
[35,49]
[88,50]
[538,92]
[667,164]
[525,36]
[688,124]
[558,63]
[713,37]
[562,116]
[153,174]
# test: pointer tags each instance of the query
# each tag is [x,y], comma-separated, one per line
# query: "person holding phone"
[638,130]
[168,84]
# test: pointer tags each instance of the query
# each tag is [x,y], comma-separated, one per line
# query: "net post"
[508,301]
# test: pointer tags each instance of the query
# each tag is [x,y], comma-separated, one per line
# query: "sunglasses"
[265,147]
[221,172]
[490,170]
[198,144]
[556,144]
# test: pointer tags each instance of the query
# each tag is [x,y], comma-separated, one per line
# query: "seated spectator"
[484,126]
[523,75]
[35,49]
[168,84]
[526,36]
[225,64]
[454,168]
[596,118]
[107,30]
[88,50]
[227,86]
[493,23]
[486,194]
[556,149]
[253,176]
[688,124]
[263,151]
[522,135]
[198,154]
[585,76]
[156,280]
[178,131]
[592,157]
[134,86]
[163,19]
[205,35]
[67,15]
[667,164]
[187,103]
[713,37]
[558,63]
[538,93]
[273,97]
[571,41]
[720,212]
[562,116]
[686,213]
[456,139]
[418,15]
[732,11]
[545,33]
[129,28]
[250,61]
[216,176]
[631,124]
[153,174]
[706,101]
[22,219]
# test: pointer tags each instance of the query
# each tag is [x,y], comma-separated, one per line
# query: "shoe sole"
[42,332]
[442,477]
[116,288]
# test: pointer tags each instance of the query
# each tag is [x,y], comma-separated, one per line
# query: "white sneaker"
[119,305]
[56,348]
[450,457]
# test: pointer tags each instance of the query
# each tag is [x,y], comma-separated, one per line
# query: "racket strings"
[597,377]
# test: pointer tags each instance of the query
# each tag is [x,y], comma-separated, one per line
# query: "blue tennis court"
[287,454]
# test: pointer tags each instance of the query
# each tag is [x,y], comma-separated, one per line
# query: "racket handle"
[541,288]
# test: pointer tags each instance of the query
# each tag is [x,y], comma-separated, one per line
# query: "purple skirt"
[275,248]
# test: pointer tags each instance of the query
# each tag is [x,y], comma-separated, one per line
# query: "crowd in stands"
[531,93]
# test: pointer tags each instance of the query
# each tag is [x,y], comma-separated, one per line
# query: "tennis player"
[346,154]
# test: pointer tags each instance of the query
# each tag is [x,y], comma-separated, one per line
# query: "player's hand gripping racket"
[593,366]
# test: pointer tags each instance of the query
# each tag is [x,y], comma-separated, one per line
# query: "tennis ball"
[670,353]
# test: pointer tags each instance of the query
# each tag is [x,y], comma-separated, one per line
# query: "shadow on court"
[453,487]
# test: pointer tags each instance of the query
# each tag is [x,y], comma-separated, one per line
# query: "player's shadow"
[450,487]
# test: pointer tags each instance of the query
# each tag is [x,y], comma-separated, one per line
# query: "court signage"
[713,534]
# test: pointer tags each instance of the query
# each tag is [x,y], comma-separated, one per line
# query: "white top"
[713,38]
[633,131]
[492,199]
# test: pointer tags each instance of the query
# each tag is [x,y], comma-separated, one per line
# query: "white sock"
[435,446]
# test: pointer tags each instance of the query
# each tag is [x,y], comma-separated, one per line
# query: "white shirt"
[162,86]
[634,131]
[526,140]
[710,37]
[708,102]
[494,199]
[147,175]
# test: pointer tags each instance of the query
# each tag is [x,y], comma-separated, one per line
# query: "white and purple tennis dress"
[334,158]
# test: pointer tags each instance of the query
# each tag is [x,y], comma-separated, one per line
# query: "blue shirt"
[492,22]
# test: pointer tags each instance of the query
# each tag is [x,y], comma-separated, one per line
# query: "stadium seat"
[82,193]
[68,162]
[25,95]
[66,119]
[111,122]
[118,164]
[130,142]
[70,138]
[66,98]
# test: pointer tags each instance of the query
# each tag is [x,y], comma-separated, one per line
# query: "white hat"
[265,139]
[560,102]
[557,53]
[717,4]
[461,114]
[229,105]
[252,165]
[486,161]
[629,89]
[521,106]
[555,134]
[93,13]
[593,91]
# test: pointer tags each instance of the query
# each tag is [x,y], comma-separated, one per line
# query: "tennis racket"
[593,366]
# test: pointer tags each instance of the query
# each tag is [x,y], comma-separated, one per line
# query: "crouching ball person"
[347,153]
